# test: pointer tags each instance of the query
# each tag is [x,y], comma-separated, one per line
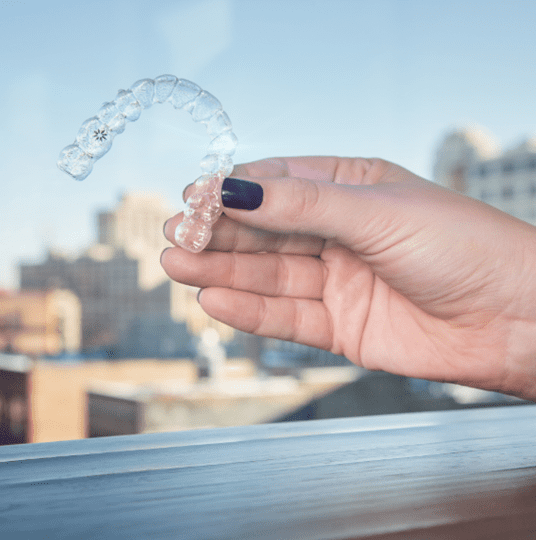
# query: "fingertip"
[187,191]
[170,226]
[162,255]
[169,229]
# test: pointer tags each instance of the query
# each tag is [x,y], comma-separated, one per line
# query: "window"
[508,167]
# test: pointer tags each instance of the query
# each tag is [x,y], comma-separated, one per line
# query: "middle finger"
[229,235]
[269,274]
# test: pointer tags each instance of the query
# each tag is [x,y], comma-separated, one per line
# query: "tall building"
[122,287]
[473,163]
[135,228]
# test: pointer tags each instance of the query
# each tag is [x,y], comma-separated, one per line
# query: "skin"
[367,260]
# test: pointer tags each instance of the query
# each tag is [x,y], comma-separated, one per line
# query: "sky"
[382,78]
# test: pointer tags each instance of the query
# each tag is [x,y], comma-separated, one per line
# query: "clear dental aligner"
[96,135]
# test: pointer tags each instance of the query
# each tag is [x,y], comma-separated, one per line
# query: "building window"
[532,190]
[508,167]
[508,192]
[483,171]
[532,164]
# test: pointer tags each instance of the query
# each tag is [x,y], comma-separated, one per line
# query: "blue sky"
[355,78]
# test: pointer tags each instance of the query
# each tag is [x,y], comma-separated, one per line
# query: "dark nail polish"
[241,194]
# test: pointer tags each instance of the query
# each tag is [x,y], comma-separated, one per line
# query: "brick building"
[40,322]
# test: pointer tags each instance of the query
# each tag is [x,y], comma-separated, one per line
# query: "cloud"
[196,35]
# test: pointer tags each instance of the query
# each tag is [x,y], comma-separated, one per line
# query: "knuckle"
[259,321]
[281,276]
[379,166]
[305,199]
[294,328]
[232,273]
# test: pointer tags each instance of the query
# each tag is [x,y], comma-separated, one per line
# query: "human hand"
[363,258]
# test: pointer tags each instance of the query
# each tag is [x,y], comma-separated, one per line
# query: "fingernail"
[241,194]
[199,294]
[165,226]
[162,254]
[184,191]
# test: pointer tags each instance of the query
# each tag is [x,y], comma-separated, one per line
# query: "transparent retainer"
[95,137]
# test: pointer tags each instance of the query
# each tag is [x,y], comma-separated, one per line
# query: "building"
[40,323]
[135,228]
[280,356]
[122,286]
[473,163]
[377,392]
[15,399]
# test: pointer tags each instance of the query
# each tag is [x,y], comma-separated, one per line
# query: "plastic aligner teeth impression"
[96,135]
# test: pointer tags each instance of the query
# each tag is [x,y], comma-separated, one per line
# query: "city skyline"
[72,253]
[129,307]
[384,79]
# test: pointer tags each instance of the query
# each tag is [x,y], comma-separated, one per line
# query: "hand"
[363,258]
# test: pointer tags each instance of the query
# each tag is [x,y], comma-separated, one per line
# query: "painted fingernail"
[241,194]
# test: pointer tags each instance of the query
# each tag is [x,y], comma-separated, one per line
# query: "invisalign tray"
[96,135]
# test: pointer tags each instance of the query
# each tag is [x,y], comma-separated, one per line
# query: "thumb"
[296,205]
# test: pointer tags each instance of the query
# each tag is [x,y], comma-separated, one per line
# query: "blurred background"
[94,338]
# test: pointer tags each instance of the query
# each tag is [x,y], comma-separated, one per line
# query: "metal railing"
[435,475]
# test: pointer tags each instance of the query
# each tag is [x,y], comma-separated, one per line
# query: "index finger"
[339,170]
